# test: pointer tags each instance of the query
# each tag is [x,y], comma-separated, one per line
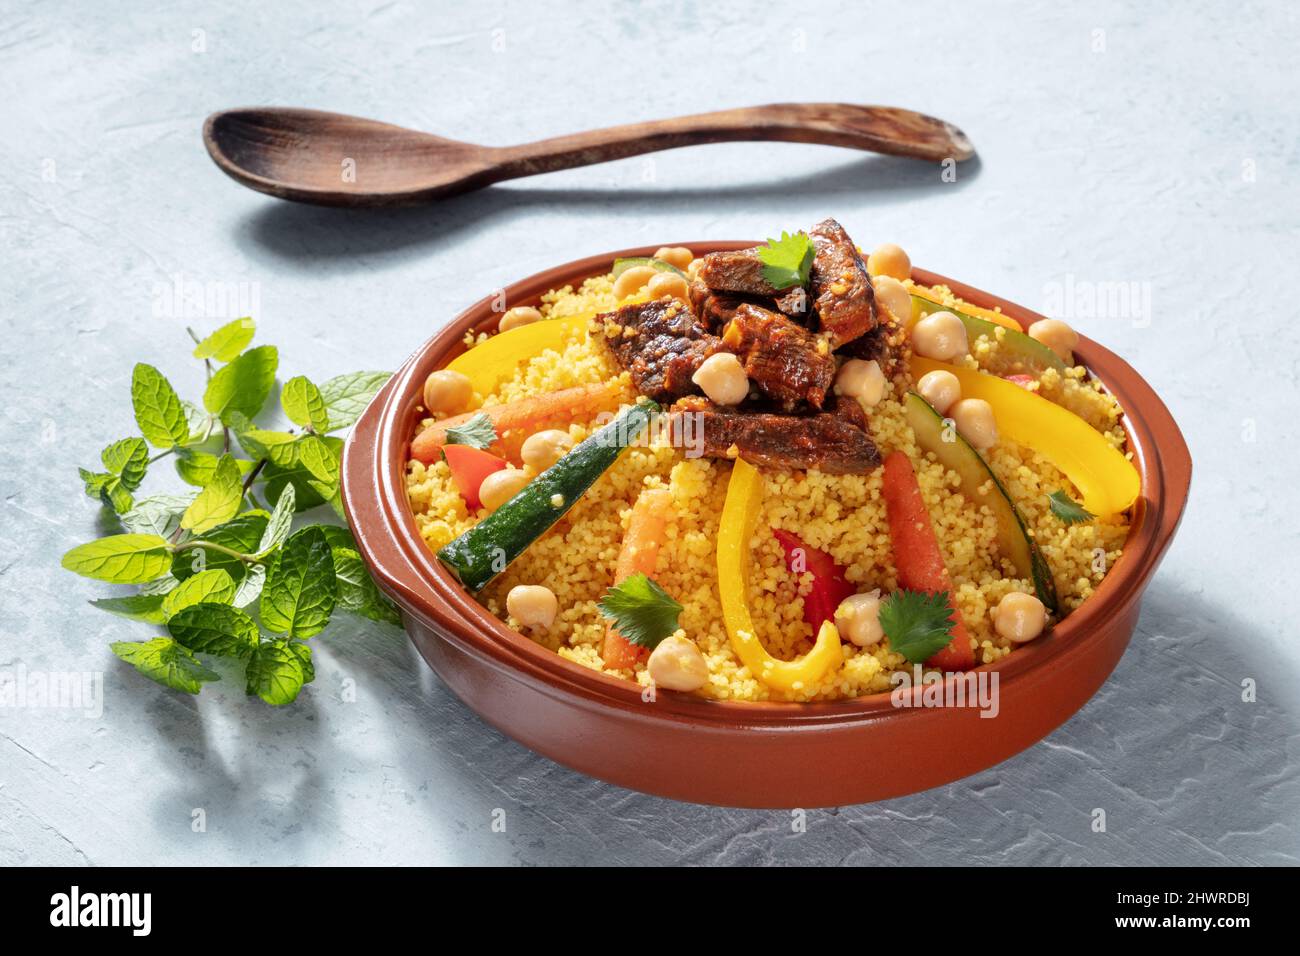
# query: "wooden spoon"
[337,160]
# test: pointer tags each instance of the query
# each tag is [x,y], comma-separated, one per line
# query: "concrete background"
[1117,144]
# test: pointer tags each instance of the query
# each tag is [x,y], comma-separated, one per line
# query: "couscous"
[784,473]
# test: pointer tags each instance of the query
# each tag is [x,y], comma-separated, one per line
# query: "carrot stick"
[640,552]
[577,404]
[917,556]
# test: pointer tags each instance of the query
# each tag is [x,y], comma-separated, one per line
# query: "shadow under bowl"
[728,752]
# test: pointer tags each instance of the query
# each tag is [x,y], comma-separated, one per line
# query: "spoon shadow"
[303,235]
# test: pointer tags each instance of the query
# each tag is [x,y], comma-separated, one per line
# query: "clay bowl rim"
[374,487]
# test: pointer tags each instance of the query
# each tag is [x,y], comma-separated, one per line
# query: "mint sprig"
[204,559]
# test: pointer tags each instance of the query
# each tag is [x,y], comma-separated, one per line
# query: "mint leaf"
[1067,509]
[358,592]
[168,663]
[244,384]
[199,422]
[213,586]
[198,467]
[247,591]
[241,534]
[160,586]
[643,612]
[214,628]
[157,514]
[228,341]
[275,673]
[338,536]
[787,261]
[128,459]
[299,594]
[121,558]
[478,432]
[302,402]
[218,502]
[277,446]
[158,410]
[277,528]
[298,475]
[346,396]
[137,607]
[303,653]
[318,459]
[918,623]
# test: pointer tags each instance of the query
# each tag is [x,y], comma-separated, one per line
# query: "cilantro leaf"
[346,396]
[787,261]
[478,432]
[641,610]
[168,663]
[1067,509]
[121,558]
[158,410]
[214,628]
[243,385]
[302,402]
[228,341]
[300,589]
[275,673]
[918,623]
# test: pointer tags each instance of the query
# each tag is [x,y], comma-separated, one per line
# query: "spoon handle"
[879,129]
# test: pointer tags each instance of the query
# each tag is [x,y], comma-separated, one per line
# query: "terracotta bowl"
[733,753]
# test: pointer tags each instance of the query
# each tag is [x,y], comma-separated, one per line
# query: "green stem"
[252,475]
[162,454]
[219,548]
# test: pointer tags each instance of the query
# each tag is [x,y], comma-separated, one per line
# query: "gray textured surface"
[1168,158]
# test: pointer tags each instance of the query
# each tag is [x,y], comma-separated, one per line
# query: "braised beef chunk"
[795,302]
[878,344]
[738,271]
[714,308]
[841,287]
[822,441]
[784,360]
[661,343]
[846,409]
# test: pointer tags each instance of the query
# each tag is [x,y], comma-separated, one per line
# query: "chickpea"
[940,388]
[632,280]
[533,606]
[721,377]
[666,283]
[861,379]
[1019,617]
[1057,336]
[500,486]
[858,619]
[678,256]
[893,295]
[888,259]
[677,664]
[693,270]
[447,391]
[543,449]
[519,315]
[941,336]
[975,422]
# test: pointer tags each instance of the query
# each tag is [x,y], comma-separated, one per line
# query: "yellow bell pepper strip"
[1108,481]
[739,516]
[491,362]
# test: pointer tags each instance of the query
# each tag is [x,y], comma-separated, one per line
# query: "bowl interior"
[375,497]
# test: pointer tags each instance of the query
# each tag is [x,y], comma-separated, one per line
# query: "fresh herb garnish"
[1067,509]
[199,557]
[641,610]
[787,261]
[478,432]
[917,623]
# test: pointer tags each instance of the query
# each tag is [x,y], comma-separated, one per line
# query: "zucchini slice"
[484,551]
[1023,353]
[622,265]
[957,455]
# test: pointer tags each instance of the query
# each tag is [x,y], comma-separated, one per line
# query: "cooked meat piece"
[661,343]
[796,303]
[739,271]
[879,344]
[714,308]
[823,441]
[785,361]
[847,409]
[843,297]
